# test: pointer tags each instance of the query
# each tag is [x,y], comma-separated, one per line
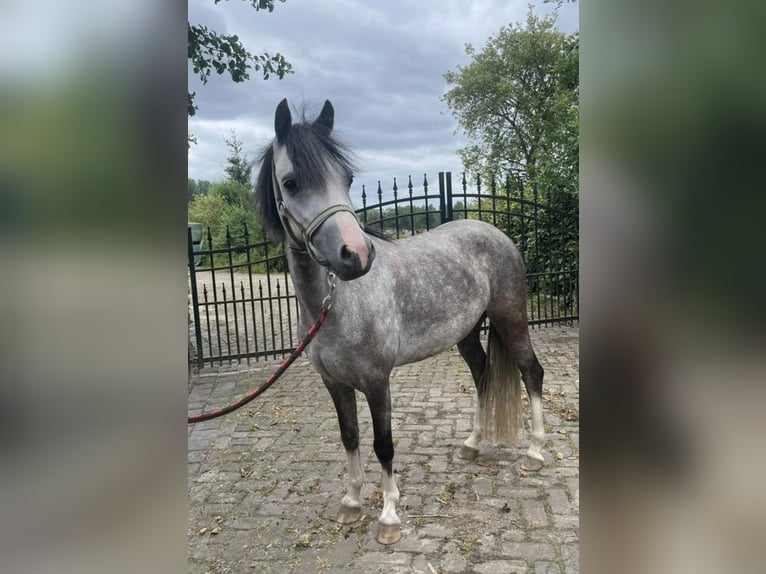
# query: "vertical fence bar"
[229,250]
[449,196]
[244,321]
[508,227]
[215,296]
[364,205]
[195,297]
[493,188]
[263,315]
[281,319]
[396,208]
[271,305]
[478,193]
[465,197]
[442,199]
[287,302]
[380,206]
[425,194]
[412,213]
[207,323]
[522,222]
[226,319]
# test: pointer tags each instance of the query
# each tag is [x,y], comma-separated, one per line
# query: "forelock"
[314,154]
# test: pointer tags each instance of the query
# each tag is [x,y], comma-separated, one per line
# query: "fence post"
[442,199]
[450,215]
[195,297]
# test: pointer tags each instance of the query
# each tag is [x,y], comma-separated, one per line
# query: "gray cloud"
[381,64]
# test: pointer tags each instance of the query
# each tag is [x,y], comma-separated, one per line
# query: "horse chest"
[352,357]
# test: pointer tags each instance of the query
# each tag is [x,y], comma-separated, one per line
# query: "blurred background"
[672,171]
[92,290]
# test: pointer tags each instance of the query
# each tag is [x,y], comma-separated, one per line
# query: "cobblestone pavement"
[265,482]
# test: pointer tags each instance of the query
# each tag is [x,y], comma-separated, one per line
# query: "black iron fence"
[242,305]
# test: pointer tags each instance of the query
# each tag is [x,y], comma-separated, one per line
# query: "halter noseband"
[303,240]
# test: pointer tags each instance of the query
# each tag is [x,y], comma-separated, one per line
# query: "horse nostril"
[345,253]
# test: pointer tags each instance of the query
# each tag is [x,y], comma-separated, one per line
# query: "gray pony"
[396,302]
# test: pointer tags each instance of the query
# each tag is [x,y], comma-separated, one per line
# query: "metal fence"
[242,304]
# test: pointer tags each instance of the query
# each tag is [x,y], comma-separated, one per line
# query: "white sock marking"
[355,480]
[475,438]
[538,431]
[390,498]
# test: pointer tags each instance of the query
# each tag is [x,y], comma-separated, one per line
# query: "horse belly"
[442,329]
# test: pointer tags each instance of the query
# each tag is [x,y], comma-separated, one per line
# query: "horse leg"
[344,398]
[473,354]
[532,375]
[389,523]
[516,339]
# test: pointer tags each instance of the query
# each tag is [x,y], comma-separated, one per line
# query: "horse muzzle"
[344,246]
[353,263]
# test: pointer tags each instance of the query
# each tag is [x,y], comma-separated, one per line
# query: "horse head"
[303,191]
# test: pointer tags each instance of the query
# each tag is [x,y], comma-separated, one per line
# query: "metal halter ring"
[327,301]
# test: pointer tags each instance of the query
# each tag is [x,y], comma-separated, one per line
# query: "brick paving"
[265,482]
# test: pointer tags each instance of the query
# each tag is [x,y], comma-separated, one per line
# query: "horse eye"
[290,184]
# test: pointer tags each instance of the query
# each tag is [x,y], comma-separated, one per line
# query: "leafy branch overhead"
[209,51]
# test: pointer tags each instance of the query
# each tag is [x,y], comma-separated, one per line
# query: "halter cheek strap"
[302,240]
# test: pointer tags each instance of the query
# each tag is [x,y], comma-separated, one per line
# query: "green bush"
[227,208]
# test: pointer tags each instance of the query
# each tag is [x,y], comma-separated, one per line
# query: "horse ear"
[326,117]
[282,120]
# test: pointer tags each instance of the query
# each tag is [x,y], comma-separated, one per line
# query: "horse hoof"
[348,514]
[389,533]
[468,453]
[531,464]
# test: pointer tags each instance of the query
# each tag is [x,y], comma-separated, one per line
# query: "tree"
[209,50]
[197,187]
[517,101]
[239,168]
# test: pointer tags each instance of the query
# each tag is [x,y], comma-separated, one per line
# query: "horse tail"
[500,392]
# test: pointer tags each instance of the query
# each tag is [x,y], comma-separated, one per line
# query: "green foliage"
[225,212]
[234,193]
[517,101]
[196,187]
[210,51]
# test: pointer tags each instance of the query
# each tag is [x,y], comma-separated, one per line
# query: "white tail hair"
[500,392]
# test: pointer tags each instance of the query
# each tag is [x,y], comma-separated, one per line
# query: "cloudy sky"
[380,63]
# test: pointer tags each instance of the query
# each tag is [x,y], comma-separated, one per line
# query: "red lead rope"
[313,330]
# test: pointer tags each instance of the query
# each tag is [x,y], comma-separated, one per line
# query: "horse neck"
[309,281]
